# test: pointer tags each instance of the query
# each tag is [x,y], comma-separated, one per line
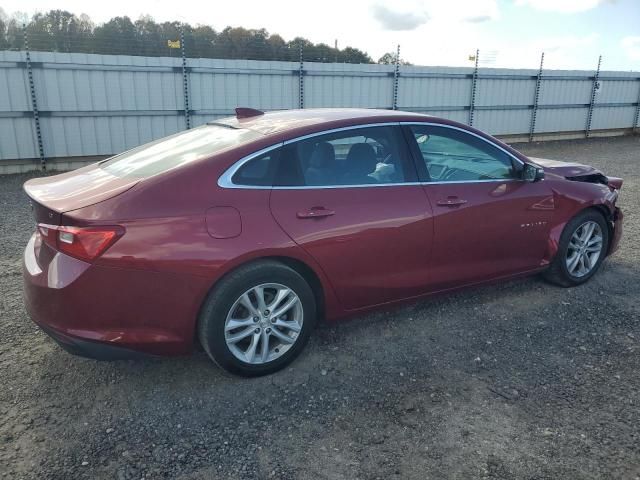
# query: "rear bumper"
[108,313]
[90,349]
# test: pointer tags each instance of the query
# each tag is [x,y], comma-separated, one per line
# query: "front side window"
[363,156]
[453,156]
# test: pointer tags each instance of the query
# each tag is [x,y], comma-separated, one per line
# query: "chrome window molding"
[488,180]
[342,129]
[399,184]
[363,185]
[225,180]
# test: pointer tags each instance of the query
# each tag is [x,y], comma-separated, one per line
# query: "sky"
[508,33]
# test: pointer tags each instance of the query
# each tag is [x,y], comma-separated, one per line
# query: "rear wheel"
[257,319]
[583,246]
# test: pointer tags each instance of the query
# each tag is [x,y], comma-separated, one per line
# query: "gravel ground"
[520,380]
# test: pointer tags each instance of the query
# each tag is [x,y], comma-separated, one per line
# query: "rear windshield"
[176,150]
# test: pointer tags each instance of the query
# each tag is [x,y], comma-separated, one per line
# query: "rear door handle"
[315,212]
[451,202]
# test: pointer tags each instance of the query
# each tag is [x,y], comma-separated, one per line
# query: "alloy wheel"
[585,247]
[263,323]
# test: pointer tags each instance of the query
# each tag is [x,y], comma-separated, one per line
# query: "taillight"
[85,243]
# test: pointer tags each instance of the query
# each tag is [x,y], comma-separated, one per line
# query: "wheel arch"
[558,229]
[608,218]
[311,277]
[599,207]
[299,266]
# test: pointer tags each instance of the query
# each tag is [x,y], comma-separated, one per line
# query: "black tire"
[558,272]
[211,321]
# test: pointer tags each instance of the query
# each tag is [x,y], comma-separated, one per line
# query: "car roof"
[284,125]
[276,122]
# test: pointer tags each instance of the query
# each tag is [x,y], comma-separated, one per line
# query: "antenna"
[244,112]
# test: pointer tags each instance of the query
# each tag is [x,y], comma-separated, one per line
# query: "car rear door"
[351,199]
[488,222]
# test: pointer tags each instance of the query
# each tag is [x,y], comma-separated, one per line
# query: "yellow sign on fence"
[173,44]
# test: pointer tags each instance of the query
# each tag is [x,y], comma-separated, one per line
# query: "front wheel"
[257,319]
[583,246]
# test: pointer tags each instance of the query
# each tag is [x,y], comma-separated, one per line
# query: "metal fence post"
[594,89]
[536,98]
[185,80]
[396,76]
[34,101]
[301,79]
[474,83]
[636,117]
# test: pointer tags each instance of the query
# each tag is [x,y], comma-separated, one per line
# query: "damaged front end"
[578,172]
[607,198]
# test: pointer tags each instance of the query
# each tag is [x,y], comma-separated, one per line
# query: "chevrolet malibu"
[241,234]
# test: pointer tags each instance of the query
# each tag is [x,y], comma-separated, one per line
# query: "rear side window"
[258,171]
[176,150]
[354,157]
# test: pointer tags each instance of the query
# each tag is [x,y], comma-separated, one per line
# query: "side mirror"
[532,173]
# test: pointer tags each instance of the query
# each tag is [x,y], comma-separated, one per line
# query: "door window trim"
[226,179]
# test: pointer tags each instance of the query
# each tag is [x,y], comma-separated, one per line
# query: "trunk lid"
[51,196]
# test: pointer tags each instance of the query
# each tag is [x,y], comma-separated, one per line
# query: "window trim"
[225,180]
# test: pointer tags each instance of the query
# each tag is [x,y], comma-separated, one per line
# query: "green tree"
[203,39]
[149,37]
[117,36]
[4,20]
[354,55]
[4,44]
[62,31]
[278,48]
[389,58]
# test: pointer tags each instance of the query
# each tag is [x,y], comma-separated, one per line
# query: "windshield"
[176,150]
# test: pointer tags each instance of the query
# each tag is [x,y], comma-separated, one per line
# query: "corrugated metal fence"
[62,105]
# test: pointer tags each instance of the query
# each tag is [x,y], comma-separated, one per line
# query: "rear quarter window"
[259,171]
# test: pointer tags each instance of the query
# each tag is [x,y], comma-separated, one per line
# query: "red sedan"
[242,233]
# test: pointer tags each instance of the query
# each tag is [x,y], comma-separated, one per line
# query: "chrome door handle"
[315,212]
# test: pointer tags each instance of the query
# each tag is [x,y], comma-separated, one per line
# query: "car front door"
[488,222]
[351,199]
